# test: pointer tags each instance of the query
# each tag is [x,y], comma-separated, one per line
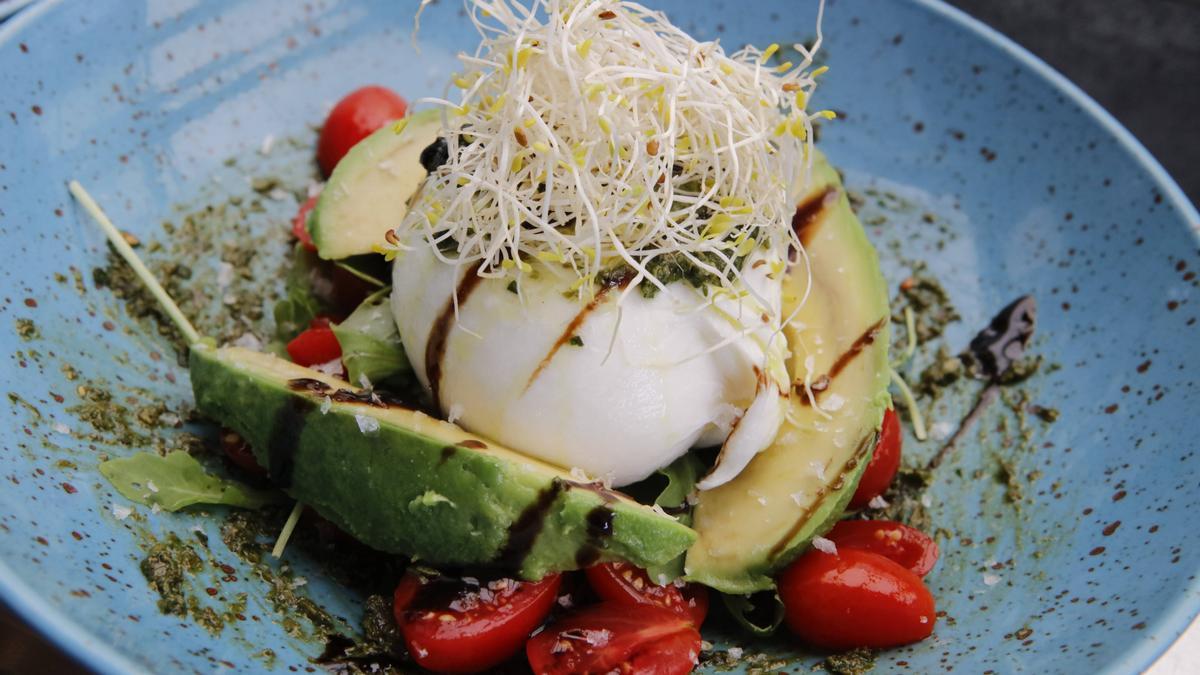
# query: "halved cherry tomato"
[855,599]
[883,465]
[463,625]
[355,117]
[614,638]
[627,584]
[300,223]
[315,346]
[907,546]
[239,453]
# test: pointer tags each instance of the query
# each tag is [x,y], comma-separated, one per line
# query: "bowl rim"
[1179,614]
[91,652]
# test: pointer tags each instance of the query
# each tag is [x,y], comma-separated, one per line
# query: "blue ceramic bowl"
[1030,187]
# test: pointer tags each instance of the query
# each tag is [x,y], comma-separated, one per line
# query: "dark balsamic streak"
[864,447]
[523,532]
[1003,342]
[569,332]
[808,215]
[992,352]
[435,347]
[599,531]
[375,399]
[845,359]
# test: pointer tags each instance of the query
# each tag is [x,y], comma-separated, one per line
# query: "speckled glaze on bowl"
[1030,187]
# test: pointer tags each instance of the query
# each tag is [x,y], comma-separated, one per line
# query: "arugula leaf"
[760,613]
[176,481]
[681,475]
[300,303]
[370,343]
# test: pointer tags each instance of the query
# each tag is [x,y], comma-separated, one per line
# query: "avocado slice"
[403,482]
[368,193]
[798,487]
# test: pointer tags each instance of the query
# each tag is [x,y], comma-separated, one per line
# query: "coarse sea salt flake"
[248,341]
[326,405]
[455,413]
[366,424]
[834,402]
[62,428]
[940,431]
[878,502]
[734,652]
[151,486]
[818,468]
[225,274]
[333,367]
[121,512]
[990,579]
[824,545]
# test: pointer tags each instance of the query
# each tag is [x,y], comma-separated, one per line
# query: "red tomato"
[626,584]
[300,223]
[855,599]
[883,465]
[314,346]
[354,118]
[238,451]
[454,626]
[902,544]
[612,638]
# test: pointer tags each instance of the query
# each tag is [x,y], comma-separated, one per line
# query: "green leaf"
[176,481]
[370,343]
[759,614]
[682,475]
[300,303]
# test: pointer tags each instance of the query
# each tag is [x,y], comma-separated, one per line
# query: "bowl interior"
[968,157]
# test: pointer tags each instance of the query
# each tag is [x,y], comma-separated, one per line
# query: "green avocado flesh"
[368,193]
[798,487]
[403,482]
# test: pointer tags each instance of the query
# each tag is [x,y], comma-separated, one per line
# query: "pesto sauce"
[164,567]
[27,330]
[853,662]
[671,268]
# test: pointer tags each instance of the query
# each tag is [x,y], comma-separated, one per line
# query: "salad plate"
[1063,516]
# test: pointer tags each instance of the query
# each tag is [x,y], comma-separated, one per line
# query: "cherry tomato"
[613,638]
[314,347]
[855,599]
[239,453]
[626,584]
[885,461]
[907,546]
[454,625]
[355,117]
[300,223]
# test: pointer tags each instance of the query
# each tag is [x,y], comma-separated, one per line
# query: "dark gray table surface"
[1139,58]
